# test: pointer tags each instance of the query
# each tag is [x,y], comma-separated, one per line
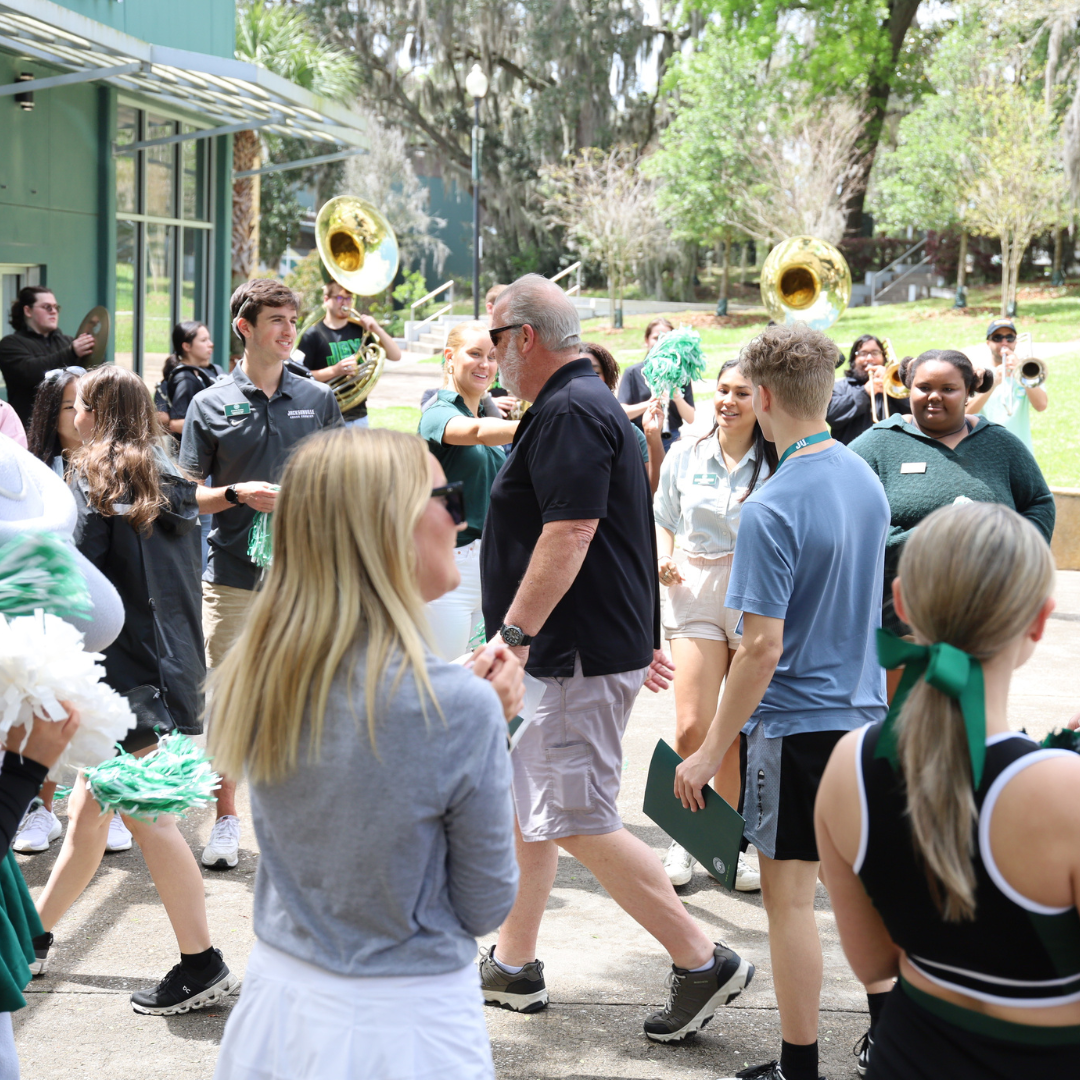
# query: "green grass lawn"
[1054,432]
[395,417]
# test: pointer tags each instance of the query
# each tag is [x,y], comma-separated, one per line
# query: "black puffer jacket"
[173,562]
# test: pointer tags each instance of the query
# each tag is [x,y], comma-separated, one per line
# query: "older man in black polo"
[568,563]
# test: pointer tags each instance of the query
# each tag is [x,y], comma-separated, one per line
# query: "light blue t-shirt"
[1010,407]
[811,551]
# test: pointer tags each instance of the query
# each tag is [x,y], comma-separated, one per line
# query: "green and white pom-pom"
[173,779]
[260,547]
[1062,739]
[676,360]
[39,572]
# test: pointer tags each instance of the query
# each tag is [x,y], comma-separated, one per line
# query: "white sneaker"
[747,879]
[679,864]
[119,835]
[38,829]
[222,852]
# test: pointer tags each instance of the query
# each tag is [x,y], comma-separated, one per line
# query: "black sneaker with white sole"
[769,1071]
[42,943]
[183,990]
[524,991]
[862,1053]
[696,995]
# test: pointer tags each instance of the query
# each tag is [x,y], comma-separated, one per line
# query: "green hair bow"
[947,669]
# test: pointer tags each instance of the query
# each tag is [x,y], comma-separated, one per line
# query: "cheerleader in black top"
[950,845]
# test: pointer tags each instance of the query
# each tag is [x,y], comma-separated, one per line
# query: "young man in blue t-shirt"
[807,575]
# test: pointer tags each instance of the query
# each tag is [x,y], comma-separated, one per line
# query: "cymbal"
[96,322]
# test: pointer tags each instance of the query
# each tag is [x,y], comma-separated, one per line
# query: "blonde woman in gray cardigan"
[330,697]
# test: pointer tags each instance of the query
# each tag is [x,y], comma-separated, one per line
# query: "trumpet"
[1028,372]
[892,385]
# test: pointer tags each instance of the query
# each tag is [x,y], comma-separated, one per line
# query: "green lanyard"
[821,436]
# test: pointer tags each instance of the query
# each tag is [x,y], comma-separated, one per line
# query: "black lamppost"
[476,86]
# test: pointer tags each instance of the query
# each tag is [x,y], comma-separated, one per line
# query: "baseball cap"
[1001,324]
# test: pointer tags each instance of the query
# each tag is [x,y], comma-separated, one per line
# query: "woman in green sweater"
[935,455]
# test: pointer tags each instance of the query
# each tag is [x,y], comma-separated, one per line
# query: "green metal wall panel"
[50,184]
[205,26]
[221,253]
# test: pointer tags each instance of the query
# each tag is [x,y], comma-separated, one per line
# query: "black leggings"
[912,1043]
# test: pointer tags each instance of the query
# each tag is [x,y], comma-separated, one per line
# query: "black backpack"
[163,395]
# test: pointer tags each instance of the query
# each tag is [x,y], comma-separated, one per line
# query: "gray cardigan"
[420,853]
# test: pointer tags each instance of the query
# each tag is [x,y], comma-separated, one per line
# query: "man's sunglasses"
[453,497]
[1003,337]
[494,333]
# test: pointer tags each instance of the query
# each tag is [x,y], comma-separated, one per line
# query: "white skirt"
[296,1021]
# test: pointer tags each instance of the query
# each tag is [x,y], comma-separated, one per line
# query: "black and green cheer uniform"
[1014,952]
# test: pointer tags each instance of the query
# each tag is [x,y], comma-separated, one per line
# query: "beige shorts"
[568,765]
[223,612]
[695,609]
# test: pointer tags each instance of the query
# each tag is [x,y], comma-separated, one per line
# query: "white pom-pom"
[42,662]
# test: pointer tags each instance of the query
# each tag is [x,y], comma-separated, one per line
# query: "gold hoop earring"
[449,371]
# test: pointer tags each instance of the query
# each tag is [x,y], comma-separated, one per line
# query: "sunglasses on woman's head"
[453,497]
[56,372]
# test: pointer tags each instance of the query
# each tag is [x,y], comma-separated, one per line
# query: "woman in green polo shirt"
[468,445]
[934,455]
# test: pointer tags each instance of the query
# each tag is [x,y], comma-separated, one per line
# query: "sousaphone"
[360,252]
[805,280]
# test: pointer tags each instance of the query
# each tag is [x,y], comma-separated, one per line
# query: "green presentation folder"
[712,835]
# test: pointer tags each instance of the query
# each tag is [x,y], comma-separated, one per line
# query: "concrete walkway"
[605,974]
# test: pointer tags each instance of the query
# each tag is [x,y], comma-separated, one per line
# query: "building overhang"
[229,93]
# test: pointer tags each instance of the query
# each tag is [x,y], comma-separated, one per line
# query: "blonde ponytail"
[973,576]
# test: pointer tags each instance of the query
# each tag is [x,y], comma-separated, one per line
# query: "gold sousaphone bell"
[805,280]
[360,252]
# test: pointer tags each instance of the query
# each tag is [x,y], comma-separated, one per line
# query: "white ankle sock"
[507,967]
[704,967]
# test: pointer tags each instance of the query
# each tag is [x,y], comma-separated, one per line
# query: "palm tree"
[281,40]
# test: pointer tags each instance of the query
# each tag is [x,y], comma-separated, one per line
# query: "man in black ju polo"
[568,564]
[240,432]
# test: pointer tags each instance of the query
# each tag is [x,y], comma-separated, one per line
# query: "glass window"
[127,131]
[192,270]
[158,316]
[193,167]
[160,169]
[161,265]
[124,324]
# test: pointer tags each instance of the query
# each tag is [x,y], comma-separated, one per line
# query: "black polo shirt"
[575,456]
[235,434]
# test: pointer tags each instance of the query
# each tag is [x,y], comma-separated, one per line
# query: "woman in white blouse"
[702,487]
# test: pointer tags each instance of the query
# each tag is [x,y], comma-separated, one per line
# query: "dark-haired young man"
[807,574]
[240,432]
[329,347]
[37,346]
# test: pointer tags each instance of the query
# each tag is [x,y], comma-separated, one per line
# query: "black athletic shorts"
[780,780]
[913,1043]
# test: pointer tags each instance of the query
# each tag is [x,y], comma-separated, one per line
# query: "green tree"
[863,49]
[1012,177]
[282,40]
[564,75]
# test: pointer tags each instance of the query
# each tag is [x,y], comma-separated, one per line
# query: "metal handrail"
[575,289]
[431,296]
[435,315]
[911,251]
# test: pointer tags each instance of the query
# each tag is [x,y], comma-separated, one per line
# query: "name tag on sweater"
[913,467]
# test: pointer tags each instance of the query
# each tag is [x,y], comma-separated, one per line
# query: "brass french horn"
[360,252]
[806,280]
